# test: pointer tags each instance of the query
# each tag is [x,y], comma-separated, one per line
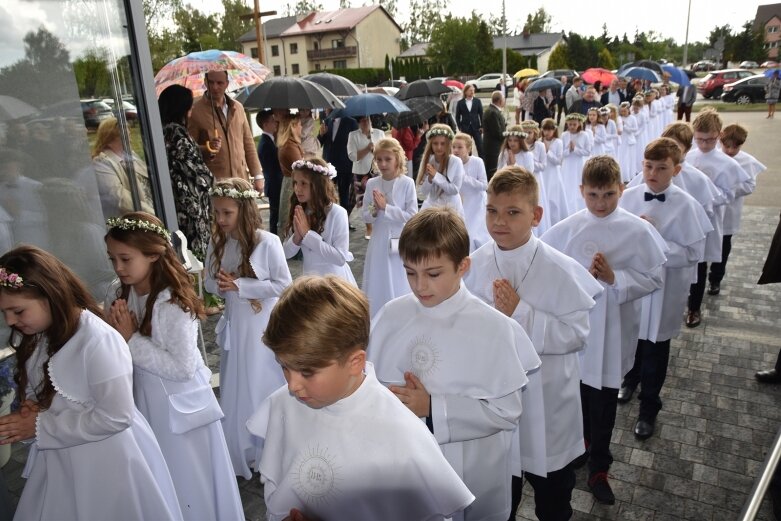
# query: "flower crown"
[327,170]
[233,193]
[434,132]
[515,133]
[604,111]
[137,224]
[9,279]
[576,116]
[530,123]
[625,104]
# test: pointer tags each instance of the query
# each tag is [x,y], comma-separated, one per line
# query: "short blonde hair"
[391,145]
[466,138]
[318,320]
[707,120]
[515,180]
[434,232]
[601,172]
[680,132]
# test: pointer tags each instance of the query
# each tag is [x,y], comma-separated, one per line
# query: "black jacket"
[469,121]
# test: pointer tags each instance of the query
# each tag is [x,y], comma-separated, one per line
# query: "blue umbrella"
[544,84]
[368,104]
[677,75]
[641,73]
[769,72]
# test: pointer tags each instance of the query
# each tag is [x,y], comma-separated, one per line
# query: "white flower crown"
[515,133]
[233,193]
[434,132]
[574,115]
[327,170]
[135,224]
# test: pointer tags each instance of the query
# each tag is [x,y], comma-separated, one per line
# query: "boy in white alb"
[682,222]
[513,273]
[336,444]
[453,360]
[597,238]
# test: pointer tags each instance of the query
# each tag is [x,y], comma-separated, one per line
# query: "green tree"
[232,26]
[747,44]
[92,76]
[303,7]
[538,22]
[391,6]
[424,16]
[606,60]
[558,57]
[458,45]
[195,28]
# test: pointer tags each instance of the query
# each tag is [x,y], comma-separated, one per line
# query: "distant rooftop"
[271,28]
[530,43]
[337,20]
[418,49]
[765,13]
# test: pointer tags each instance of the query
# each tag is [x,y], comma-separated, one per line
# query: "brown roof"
[764,14]
[336,20]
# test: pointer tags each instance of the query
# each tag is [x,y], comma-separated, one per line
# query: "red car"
[712,85]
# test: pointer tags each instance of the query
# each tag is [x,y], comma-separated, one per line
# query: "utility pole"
[504,51]
[256,15]
[686,41]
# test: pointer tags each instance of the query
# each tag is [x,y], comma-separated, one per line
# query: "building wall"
[773,37]
[325,41]
[378,36]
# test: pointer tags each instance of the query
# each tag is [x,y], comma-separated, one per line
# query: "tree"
[91,71]
[303,7]
[232,26]
[538,22]
[194,27]
[424,16]
[458,45]
[606,60]
[558,57]
[391,6]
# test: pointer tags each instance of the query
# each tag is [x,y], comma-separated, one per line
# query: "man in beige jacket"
[219,126]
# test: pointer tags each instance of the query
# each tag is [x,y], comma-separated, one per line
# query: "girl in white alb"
[540,156]
[155,308]
[472,190]
[608,116]
[577,149]
[388,204]
[246,266]
[597,131]
[441,175]
[515,151]
[638,111]
[554,150]
[627,155]
[318,227]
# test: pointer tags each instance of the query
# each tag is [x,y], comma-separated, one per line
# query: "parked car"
[94,111]
[491,81]
[395,83]
[704,65]
[769,64]
[747,90]
[558,73]
[711,86]
[748,65]
[131,113]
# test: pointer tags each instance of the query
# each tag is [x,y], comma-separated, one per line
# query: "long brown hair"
[249,223]
[427,154]
[506,142]
[45,278]
[167,270]
[322,196]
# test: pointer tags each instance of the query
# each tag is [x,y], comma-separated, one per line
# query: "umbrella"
[189,70]
[368,104]
[14,108]
[454,83]
[338,85]
[526,73]
[421,109]
[543,84]
[768,73]
[287,93]
[422,88]
[677,75]
[641,73]
[595,74]
[648,64]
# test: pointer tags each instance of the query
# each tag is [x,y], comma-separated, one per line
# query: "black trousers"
[344,184]
[552,494]
[478,137]
[649,371]
[599,419]
[684,110]
[273,190]
[718,269]
[697,290]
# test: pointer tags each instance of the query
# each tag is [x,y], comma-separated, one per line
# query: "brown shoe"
[693,319]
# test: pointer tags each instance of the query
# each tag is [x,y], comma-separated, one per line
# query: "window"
[275,50]
[340,64]
[772,29]
[337,44]
[254,52]
[293,48]
[277,70]
[317,66]
[295,68]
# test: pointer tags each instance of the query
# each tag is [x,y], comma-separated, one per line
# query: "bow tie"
[650,197]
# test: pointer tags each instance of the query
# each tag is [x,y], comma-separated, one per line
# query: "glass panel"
[66,96]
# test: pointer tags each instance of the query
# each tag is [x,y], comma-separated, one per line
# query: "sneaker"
[599,486]
[714,289]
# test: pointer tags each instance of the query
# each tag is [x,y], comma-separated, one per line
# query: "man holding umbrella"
[220,128]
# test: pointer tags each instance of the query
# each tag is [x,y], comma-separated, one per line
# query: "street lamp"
[686,41]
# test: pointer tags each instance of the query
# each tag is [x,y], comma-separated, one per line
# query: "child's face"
[659,173]
[548,134]
[730,148]
[460,149]
[435,279]
[26,314]
[510,218]
[439,146]
[623,111]
[324,386]
[130,264]
[387,163]
[593,117]
[531,137]
[706,141]
[602,201]
[226,214]
[572,125]
[514,144]
[302,186]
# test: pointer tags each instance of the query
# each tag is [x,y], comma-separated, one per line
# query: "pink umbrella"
[454,83]
[189,71]
[596,74]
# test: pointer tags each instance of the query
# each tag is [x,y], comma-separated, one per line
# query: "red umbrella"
[454,83]
[596,74]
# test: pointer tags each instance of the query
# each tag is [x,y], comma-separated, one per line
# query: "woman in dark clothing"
[542,107]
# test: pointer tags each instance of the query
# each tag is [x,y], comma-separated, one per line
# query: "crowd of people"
[499,303]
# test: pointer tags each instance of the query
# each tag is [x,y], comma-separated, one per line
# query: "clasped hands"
[122,319]
[19,425]
[414,395]
[300,225]
[601,270]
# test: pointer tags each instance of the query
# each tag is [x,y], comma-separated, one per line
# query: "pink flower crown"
[9,279]
[327,170]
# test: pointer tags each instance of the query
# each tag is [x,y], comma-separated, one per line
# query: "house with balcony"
[768,22]
[340,39]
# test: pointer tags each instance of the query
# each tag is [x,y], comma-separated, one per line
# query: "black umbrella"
[422,88]
[288,93]
[421,109]
[338,85]
[545,83]
[648,64]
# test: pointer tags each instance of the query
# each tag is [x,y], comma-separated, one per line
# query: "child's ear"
[538,211]
[677,169]
[463,266]
[357,361]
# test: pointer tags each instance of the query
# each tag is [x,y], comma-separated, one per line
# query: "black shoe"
[625,394]
[352,228]
[580,461]
[599,486]
[714,288]
[644,429]
[693,319]
[771,376]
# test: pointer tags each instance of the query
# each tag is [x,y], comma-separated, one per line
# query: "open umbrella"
[768,73]
[543,84]
[189,70]
[14,108]
[641,73]
[595,74]
[369,104]
[287,93]
[338,85]
[421,109]
[677,75]
[422,88]
[454,83]
[648,64]
[526,73]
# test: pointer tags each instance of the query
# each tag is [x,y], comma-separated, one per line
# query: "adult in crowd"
[494,126]
[613,95]
[191,179]
[687,95]
[309,132]
[220,127]
[772,91]
[561,101]
[113,166]
[469,117]
[527,103]
[771,274]
[542,106]
[333,137]
[288,152]
[360,149]
[518,91]
[268,154]
[574,93]
[588,101]
[409,139]
[417,154]
[626,89]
